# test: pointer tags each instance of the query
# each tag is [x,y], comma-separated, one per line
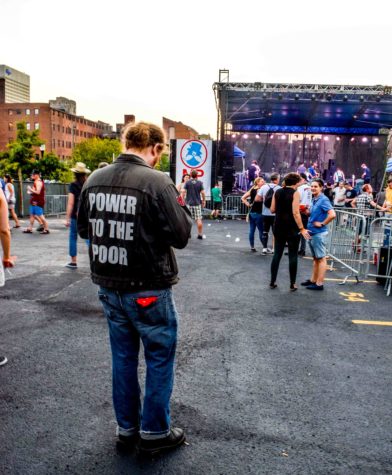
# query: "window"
[58,143]
[54,143]
[36,125]
[10,112]
[18,111]
[58,127]
[10,126]
[63,129]
[27,111]
[54,127]
[28,125]
[36,111]
[10,139]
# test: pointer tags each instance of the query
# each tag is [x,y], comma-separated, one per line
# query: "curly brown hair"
[143,135]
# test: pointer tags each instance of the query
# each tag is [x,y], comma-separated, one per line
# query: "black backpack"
[268,197]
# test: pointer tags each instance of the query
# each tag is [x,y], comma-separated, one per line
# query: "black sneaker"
[127,444]
[315,287]
[199,236]
[307,282]
[3,360]
[173,440]
[301,253]
[40,228]
[71,265]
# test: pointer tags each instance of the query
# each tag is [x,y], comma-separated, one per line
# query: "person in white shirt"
[305,201]
[338,176]
[339,195]
[268,217]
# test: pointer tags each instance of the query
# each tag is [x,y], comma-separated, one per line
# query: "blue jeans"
[73,238]
[255,221]
[155,325]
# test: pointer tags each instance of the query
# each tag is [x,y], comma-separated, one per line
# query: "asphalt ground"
[267,381]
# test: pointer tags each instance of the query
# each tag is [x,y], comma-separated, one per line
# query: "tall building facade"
[60,130]
[178,130]
[14,85]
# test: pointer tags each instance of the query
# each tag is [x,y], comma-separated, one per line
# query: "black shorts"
[217,205]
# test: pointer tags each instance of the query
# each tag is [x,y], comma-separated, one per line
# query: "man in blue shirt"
[321,213]
[366,174]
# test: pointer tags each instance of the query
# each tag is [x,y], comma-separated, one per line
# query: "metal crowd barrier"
[346,243]
[55,205]
[362,244]
[233,207]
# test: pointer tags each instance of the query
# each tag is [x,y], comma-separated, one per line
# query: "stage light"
[280,97]
[283,137]
[326,138]
[271,136]
[355,117]
[329,97]
[361,98]
[338,139]
[257,136]
[233,136]
[296,97]
[352,139]
[345,98]
[269,114]
[245,136]
[376,140]
[378,98]
[364,139]
[313,97]
[264,95]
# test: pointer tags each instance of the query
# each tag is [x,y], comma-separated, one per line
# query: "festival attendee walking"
[287,227]
[321,213]
[184,179]
[339,195]
[195,198]
[305,200]
[5,239]
[216,199]
[37,203]
[75,188]
[132,216]
[265,195]
[11,199]
[255,209]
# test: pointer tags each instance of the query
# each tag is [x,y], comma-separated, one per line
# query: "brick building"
[178,130]
[60,130]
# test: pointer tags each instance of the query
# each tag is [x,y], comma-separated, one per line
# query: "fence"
[56,198]
[362,244]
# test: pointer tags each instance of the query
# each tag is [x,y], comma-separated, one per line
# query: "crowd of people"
[131,216]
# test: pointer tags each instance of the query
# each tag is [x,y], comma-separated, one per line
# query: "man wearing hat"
[37,203]
[80,173]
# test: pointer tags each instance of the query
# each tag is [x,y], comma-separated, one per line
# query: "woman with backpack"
[254,214]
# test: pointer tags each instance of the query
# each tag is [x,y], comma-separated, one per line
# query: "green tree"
[21,151]
[51,167]
[164,163]
[95,150]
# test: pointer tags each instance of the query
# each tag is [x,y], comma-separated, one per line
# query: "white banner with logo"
[195,154]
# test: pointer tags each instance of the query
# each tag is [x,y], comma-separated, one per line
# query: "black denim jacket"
[131,216]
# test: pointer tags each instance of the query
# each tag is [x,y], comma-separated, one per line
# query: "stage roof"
[303,108]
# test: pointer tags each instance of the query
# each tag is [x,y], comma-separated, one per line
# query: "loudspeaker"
[382,268]
[228,180]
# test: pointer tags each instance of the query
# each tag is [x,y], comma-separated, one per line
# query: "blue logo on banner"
[8,72]
[194,154]
[389,165]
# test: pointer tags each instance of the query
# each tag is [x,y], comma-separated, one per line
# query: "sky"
[160,58]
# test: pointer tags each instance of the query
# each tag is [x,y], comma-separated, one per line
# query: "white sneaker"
[264,251]
[270,251]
